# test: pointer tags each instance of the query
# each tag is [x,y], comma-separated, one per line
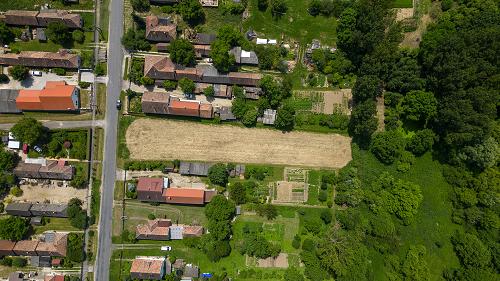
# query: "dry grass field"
[153,139]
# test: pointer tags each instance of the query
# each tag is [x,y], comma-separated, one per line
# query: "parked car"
[166,248]
[37,149]
[36,73]
[118,104]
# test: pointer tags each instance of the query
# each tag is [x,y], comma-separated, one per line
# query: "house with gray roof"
[49,210]
[244,57]
[19,209]
[8,101]
[194,168]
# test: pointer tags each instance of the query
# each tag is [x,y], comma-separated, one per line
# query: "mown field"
[297,23]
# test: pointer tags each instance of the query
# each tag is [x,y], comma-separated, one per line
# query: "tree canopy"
[29,130]
[182,52]
[191,11]
[218,174]
[14,228]
[59,33]
[220,209]
[19,72]
[6,34]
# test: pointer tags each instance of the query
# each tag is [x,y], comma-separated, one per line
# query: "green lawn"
[55,224]
[433,221]
[35,4]
[214,19]
[13,118]
[402,4]
[296,24]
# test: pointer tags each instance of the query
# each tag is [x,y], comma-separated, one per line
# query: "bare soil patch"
[51,193]
[281,261]
[404,13]
[328,102]
[155,139]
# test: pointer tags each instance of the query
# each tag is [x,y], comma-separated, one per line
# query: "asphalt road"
[62,124]
[115,59]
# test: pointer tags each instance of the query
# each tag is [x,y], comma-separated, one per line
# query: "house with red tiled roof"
[148,268]
[54,244]
[160,29]
[26,248]
[158,229]
[184,107]
[7,248]
[151,189]
[56,96]
[60,59]
[189,196]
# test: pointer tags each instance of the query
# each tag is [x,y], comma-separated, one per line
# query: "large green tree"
[14,228]
[59,33]
[220,209]
[218,174]
[387,146]
[285,118]
[222,60]
[6,34]
[19,72]
[29,130]
[191,11]
[419,106]
[182,52]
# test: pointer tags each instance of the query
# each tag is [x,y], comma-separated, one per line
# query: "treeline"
[442,97]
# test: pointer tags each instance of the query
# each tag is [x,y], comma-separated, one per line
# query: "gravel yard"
[153,139]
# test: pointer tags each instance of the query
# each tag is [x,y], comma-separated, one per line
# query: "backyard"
[297,24]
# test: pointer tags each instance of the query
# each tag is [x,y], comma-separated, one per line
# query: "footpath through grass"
[432,226]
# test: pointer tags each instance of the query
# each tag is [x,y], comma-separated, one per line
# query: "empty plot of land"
[154,139]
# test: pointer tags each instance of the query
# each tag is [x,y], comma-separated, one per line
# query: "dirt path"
[155,139]
[381,114]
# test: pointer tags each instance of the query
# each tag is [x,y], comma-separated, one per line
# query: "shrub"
[296,241]
[16,191]
[151,216]
[59,71]
[19,262]
[19,72]
[387,146]
[322,196]
[84,85]
[4,78]
[100,70]
[170,84]
[78,36]
[326,216]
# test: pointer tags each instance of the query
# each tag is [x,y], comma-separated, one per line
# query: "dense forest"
[420,199]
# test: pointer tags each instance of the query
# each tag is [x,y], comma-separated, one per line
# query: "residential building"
[206,111]
[40,261]
[148,268]
[60,59]
[7,248]
[53,244]
[49,210]
[55,96]
[40,168]
[244,57]
[160,29]
[158,229]
[150,189]
[8,101]
[42,18]
[26,248]
[162,68]
[225,113]
[188,196]
[184,107]
[202,51]
[155,103]
[19,209]
[163,229]
[203,38]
